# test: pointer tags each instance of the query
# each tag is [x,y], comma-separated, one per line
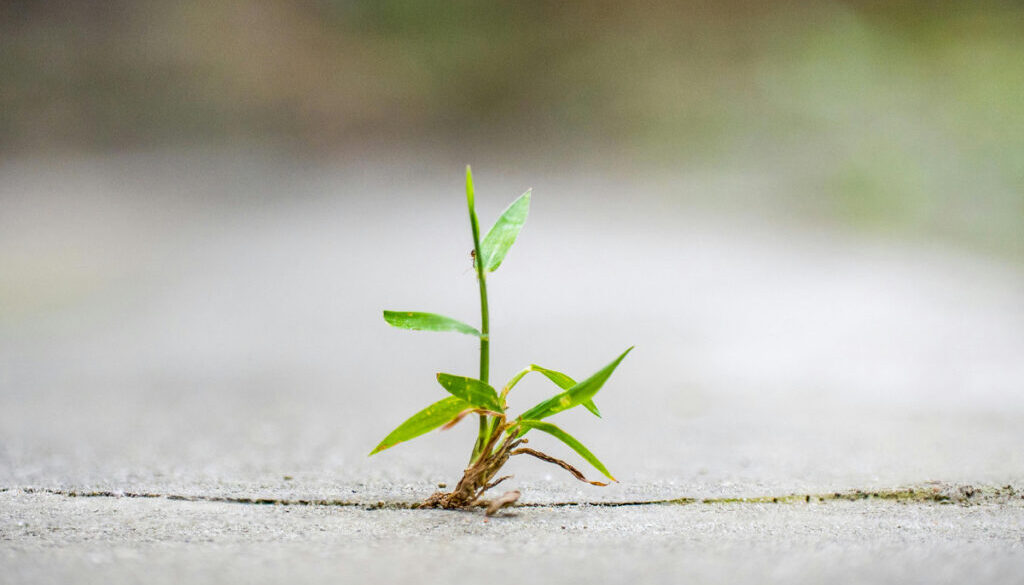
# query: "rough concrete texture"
[210,327]
[57,539]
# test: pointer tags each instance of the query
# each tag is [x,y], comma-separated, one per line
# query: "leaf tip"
[469,189]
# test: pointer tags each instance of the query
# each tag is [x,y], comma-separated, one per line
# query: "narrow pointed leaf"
[473,391]
[504,232]
[474,223]
[562,380]
[576,395]
[565,382]
[470,196]
[424,421]
[427,322]
[589,405]
[568,440]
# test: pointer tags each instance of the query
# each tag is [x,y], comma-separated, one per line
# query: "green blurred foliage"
[903,116]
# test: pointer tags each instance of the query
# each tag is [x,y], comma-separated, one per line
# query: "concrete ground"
[55,539]
[206,330]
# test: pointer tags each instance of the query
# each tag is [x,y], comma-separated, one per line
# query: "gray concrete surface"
[207,326]
[54,539]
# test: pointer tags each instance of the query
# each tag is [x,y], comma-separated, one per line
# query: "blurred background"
[813,210]
[896,116]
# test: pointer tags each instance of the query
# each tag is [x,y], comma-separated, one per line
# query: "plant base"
[479,476]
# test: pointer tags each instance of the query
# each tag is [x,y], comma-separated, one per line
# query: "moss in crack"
[936,493]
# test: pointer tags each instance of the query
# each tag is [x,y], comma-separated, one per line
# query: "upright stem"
[485,342]
[485,354]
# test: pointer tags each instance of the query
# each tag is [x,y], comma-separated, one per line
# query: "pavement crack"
[931,493]
[212,498]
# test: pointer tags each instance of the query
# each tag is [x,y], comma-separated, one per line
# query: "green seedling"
[500,436]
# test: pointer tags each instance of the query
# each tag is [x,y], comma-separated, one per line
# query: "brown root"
[496,482]
[545,457]
[478,477]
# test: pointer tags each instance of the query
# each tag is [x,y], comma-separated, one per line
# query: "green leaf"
[470,196]
[424,421]
[473,391]
[562,380]
[427,322]
[474,224]
[589,405]
[576,395]
[568,440]
[565,382]
[503,234]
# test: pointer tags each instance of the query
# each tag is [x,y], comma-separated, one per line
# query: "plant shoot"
[500,436]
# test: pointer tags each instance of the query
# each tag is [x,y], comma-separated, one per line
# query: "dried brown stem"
[458,418]
[496,482]
[545,457]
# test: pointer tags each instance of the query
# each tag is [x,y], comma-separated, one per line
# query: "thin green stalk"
[485,342]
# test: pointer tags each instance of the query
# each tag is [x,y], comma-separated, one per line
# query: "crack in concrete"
[933,493]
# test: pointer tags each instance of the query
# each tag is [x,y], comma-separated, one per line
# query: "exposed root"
[496,482]
[545,457]
[478,477]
